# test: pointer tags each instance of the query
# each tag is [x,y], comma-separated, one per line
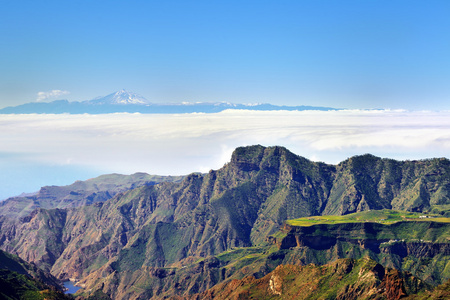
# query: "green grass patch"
[385,216]
[241,253]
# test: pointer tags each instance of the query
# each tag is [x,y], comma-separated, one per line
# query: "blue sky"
[353,54]
[357,54]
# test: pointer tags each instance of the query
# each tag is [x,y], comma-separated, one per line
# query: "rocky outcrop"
[342,279]
[409,246]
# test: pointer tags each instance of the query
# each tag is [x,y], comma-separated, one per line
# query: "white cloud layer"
[180,144]
[41,96]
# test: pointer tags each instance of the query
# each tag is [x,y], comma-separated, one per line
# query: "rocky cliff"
[109,244]
[342,279]
[421,248]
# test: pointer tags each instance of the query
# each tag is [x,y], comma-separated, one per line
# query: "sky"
[346,54]
[392,56]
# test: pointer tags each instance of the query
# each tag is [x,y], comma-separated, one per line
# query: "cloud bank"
[38,150]
[180,144]
[41,96]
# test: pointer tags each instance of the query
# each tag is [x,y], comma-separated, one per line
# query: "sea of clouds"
[180,144]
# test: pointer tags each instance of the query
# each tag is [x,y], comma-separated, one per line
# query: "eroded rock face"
[323,243]
[275,285]
[342,279]
[238,205]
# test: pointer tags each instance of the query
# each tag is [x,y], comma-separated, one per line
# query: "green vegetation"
[414,242]
[385,216]
[238,258]
[14,264]
[21,280]
[198,227]
[18,286]
[443,210]
[240,253]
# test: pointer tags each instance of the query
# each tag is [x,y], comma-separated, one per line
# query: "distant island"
[128,102]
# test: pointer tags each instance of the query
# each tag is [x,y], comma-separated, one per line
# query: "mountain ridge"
[129,102]
[121,97]
[22,280]
[79,193]
[162,228]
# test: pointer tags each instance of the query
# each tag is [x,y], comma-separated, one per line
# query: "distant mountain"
[128,102]
[79,193]
[120,98]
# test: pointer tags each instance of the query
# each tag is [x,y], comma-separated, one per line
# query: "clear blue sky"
[355,54]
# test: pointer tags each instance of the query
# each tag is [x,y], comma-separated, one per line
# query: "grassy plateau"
[385,216]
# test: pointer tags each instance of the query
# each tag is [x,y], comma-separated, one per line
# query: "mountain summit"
[121,97]
[128,102]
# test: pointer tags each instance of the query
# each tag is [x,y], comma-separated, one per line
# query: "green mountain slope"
[21,280]
[171,225]
[368,182]
[420,247]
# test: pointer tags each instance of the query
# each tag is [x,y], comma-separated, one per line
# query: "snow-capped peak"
[121,97]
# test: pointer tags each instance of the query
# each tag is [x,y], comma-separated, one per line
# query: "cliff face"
[410,246]
[342,279]
[172,223]
[368,182]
